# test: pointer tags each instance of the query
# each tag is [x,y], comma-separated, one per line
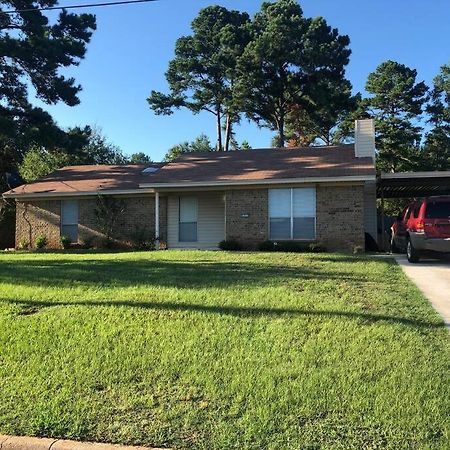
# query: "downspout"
[24,213]
[383,239]
[157,220]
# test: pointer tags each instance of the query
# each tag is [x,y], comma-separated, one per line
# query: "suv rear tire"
[412,253]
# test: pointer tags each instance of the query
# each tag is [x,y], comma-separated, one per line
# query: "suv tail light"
[420,225]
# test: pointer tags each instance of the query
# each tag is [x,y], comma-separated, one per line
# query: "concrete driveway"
[432,277]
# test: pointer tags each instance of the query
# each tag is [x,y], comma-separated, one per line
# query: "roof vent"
[150,170]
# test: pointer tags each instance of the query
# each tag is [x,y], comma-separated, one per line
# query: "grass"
[215,350]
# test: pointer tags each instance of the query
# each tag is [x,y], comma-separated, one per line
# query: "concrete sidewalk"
[34,443]
[432,277]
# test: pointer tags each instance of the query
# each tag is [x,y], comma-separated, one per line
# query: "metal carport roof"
[413,184]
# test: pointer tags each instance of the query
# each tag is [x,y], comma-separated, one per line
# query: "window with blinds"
[292,214]
[188,213]
[69,219]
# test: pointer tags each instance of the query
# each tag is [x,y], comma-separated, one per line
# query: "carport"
[410,185]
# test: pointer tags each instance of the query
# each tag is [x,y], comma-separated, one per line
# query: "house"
[314,194]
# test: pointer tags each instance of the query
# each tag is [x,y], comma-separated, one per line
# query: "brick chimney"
[365,138]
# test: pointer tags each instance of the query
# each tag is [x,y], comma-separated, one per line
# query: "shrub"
[41,241]
[65,242]
[315,247]
[87,242]
[24,245]
[230,245]
[266,246]
[290,246]
[357,249]
[141,240]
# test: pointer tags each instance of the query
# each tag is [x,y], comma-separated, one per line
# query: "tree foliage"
[202,74]
[319,122]
[39,162]
[396,103]
[280,68]
[108,211]
[84,146]
[199,144]
[34,49]
[140,158]
[437,142]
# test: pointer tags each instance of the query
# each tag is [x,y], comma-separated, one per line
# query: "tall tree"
[199,144]
[396,105]
[83,146]
[437,142]
[32,52]
[202,75]
[320,120]
[39,162]
[98,150]
[140,158]
[281,66]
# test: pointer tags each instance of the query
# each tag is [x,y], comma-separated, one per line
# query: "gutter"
[32,195]
[187,184]
[150,188]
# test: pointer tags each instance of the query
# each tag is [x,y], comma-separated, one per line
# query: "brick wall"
[339,221]
[38,218]
[247,215]
[139,215]
[340,217]
[43,218]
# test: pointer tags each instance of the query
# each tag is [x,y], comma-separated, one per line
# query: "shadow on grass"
[168,273]
[33,306]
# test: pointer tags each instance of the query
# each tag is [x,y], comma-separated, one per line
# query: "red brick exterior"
[43,217]
[33,219]
[339,218]
[247,215]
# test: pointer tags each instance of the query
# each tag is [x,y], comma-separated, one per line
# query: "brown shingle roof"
[237,166]
[73,179]
[265,164]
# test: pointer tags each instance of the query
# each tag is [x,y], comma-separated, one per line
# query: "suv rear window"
[417,210]
[437,210]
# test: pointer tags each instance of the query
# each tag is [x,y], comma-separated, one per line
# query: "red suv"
[424,225]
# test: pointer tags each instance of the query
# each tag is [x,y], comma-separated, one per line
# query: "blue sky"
[130,50]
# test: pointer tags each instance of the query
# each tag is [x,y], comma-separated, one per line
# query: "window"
[292,213]
[437,210]
[417,210]
[408,213]
[188,211]
[69,219]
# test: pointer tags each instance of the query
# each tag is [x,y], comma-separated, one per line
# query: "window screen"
[69,219]
[292,213]
[188,219]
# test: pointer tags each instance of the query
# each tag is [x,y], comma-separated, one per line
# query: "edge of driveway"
[35,443]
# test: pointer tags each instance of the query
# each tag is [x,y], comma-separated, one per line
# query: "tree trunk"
[228,128]
[281,137]
[219,131]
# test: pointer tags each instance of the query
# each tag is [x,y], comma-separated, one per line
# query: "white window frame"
[179,218]
[291,238]
[64,223]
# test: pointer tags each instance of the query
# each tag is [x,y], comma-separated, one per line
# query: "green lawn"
[216,350]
